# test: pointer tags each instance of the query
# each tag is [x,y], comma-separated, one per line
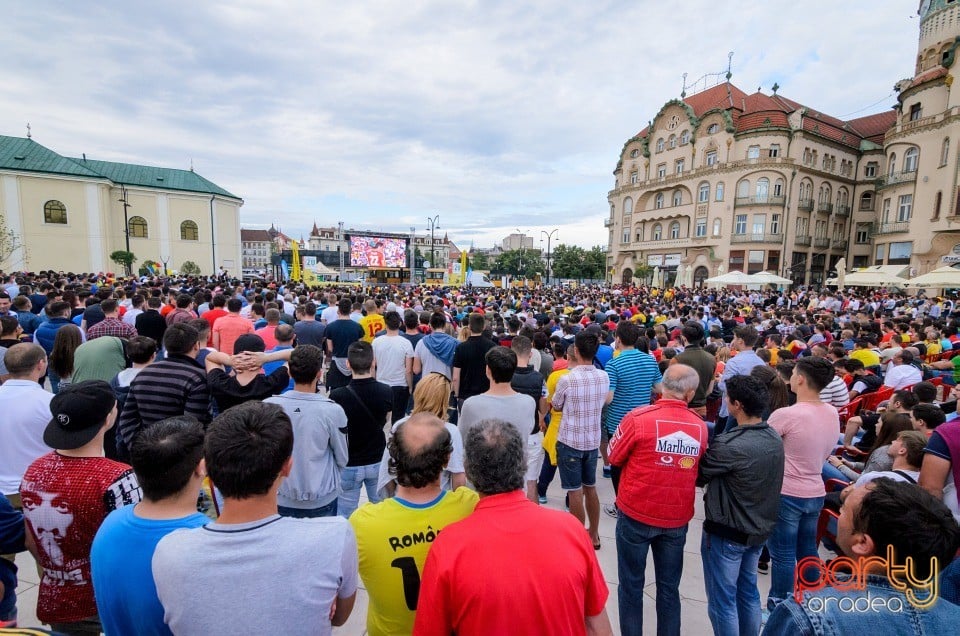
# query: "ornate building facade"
[721,180]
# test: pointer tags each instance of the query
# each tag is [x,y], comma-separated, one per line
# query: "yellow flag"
[295,257]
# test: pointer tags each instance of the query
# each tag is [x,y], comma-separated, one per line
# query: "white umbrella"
[733,278]
[873,278]
[841,273]
[681,272]
[942,277]
[655,282]
[769,278]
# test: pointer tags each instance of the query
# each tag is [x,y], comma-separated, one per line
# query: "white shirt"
[26,411]
[866,478]
[130,317]
[391,354]
[901,375]
[329,314]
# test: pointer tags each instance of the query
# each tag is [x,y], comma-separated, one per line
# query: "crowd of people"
[188,455]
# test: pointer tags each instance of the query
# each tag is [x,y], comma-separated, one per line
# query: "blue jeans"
[578,468]
[634,539]
[730,578]
[794,537]
[330,510]
[353,479]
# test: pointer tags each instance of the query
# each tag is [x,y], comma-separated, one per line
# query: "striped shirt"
[836,393]
[632,376]
[176,385]
[580,396]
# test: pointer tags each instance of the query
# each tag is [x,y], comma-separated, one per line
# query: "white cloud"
[494,114]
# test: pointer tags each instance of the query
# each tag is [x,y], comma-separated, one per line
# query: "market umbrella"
[655,282]
[943,277]
[769,278]
[735,277]
[841,273]
[681,272]
[873,278]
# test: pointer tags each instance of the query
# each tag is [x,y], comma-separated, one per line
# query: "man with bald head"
[394,535]
[26,411]
[658,449]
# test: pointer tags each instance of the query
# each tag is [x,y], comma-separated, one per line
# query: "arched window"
[54,212]
[684,137]
[945,152]
[713,129]
[842,196]
[658,201]
[910,160]
[675,230]
[892,164]
[719,196]
[866,201]
[716,227]
[189,231]
[763,188]
[634,153]
[677,197]
[660,145]
[743,188]
[627,206]
[657,232]
[672,142]
[778,188]
[825,194]
[138,227]
[703,192]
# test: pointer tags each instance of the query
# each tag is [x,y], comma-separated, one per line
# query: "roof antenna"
[683,93]
[191,164]
[84,157]
[29,136]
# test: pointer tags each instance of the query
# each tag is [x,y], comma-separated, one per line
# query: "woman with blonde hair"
[432,395]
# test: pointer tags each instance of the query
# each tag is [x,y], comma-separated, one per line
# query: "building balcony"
[891,228]
[821,243]
[896,179]
[802,241]
[667,242]
[843,210]
[805,205]
[767,200]
[703,170]
[768,237]
[839,245]
[608,223]
[825,208]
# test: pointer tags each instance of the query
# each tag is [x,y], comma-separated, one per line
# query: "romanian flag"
[295,257]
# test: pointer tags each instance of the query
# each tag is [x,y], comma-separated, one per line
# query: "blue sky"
[496,115]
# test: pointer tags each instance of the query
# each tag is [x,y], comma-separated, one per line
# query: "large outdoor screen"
[377,251]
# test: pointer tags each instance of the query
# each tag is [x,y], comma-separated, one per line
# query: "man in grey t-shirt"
[253,571]
[501,402]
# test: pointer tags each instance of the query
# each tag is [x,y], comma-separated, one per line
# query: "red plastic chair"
[872,400]
[848,411]
[827,525]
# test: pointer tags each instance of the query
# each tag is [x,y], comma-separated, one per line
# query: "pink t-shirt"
[810,431]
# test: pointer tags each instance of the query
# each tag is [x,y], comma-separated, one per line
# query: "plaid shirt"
[580,396]
[111,327]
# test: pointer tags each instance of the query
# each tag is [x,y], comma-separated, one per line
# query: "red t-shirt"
[211,317]
[511,567]
[65,499]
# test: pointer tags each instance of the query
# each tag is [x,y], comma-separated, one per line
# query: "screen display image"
[377,251]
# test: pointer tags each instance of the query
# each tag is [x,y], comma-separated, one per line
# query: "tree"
[125,258]
[479,261]
[595,265]
[190,268]
[508,263]
[568,261]
[9,242]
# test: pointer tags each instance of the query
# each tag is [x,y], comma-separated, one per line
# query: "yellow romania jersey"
[550,437]
[393,538]
[372,324]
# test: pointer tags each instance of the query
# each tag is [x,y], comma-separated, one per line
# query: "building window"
[675,230]
[743,188]
[634,177]
[719,196]
[713,129]
[866,201]
[677,197]
[778,188]
[138,227]
[904,208]
[899,253]
[684,137]
[54,212]
[885,215]
[936,205]
[870,171]
[945,152]
[679,166]
[672,141]
[775,150]
[189,231]
[740,224]
[658,201]
[892,165]
[863,233]
[910,160]
[717,226]
[639,235]
[661,171]
[753,152]
[703,193]
[626,235]
[634,153]
[802,225]
[763,189]
[701,228]
[759,224]
[775,224]
[711,157]
[657,232]
[627,206]
[660,145]
[915,112]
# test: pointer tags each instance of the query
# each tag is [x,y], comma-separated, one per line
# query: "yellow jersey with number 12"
[393,538]
[372,324]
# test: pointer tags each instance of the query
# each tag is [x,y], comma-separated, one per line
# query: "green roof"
[154,177]
[26,155]
[17,153]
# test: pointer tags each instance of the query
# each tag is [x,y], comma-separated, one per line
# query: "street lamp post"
[413,256]
[433,223]
[340,247]
[522,236]
[126,221]
[549,236]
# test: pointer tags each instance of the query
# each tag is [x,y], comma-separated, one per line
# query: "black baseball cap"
[78,413]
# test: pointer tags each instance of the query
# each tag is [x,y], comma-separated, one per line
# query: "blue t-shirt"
[122,575]
[633,375]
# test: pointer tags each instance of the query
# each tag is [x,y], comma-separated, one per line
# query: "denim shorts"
[577,468]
